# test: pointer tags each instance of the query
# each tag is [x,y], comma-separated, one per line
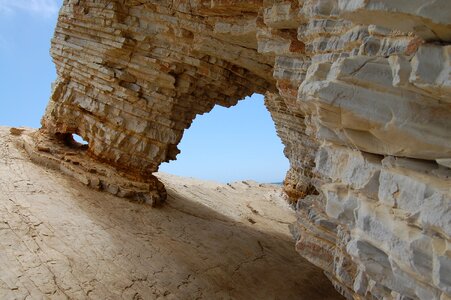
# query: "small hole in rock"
[75,141]
[79,139]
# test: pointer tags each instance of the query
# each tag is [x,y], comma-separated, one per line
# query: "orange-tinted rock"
[359,92]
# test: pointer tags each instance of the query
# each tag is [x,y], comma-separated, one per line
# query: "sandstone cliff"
[359,91]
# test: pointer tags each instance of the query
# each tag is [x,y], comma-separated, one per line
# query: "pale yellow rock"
[62,240]
[359,91]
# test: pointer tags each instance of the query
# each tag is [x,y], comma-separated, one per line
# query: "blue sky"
[225,145]
[230,144]
[26,70]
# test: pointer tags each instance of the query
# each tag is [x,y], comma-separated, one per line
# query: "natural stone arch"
[146,70]
[359,92]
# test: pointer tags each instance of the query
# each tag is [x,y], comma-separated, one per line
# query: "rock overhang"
[359,92]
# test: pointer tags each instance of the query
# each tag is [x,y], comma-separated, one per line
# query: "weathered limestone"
[360,93]
[66,155]
[398,215]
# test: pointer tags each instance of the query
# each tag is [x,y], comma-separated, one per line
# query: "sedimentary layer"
[359,91]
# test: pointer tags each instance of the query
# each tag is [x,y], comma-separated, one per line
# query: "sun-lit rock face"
[360,93]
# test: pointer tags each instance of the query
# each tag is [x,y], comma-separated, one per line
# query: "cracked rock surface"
[60,239]
[360,95]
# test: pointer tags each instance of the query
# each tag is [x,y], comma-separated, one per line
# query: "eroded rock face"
[360,93]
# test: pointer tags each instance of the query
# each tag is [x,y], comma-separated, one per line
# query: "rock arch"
[132,83]
[359,92]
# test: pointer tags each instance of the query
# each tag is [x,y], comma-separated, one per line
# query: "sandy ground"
[60,240]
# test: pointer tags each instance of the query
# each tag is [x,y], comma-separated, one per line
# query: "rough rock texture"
[71,158]
[62,240]
[359,90]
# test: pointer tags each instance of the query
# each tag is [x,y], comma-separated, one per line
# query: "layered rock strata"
[360,93]
[63,153]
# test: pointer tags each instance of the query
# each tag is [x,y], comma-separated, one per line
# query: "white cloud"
[44,8]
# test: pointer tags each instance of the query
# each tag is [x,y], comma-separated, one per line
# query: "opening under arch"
[79,139]
[232,144]
[75,141]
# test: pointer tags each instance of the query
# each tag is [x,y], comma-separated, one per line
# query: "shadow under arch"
[184,250]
